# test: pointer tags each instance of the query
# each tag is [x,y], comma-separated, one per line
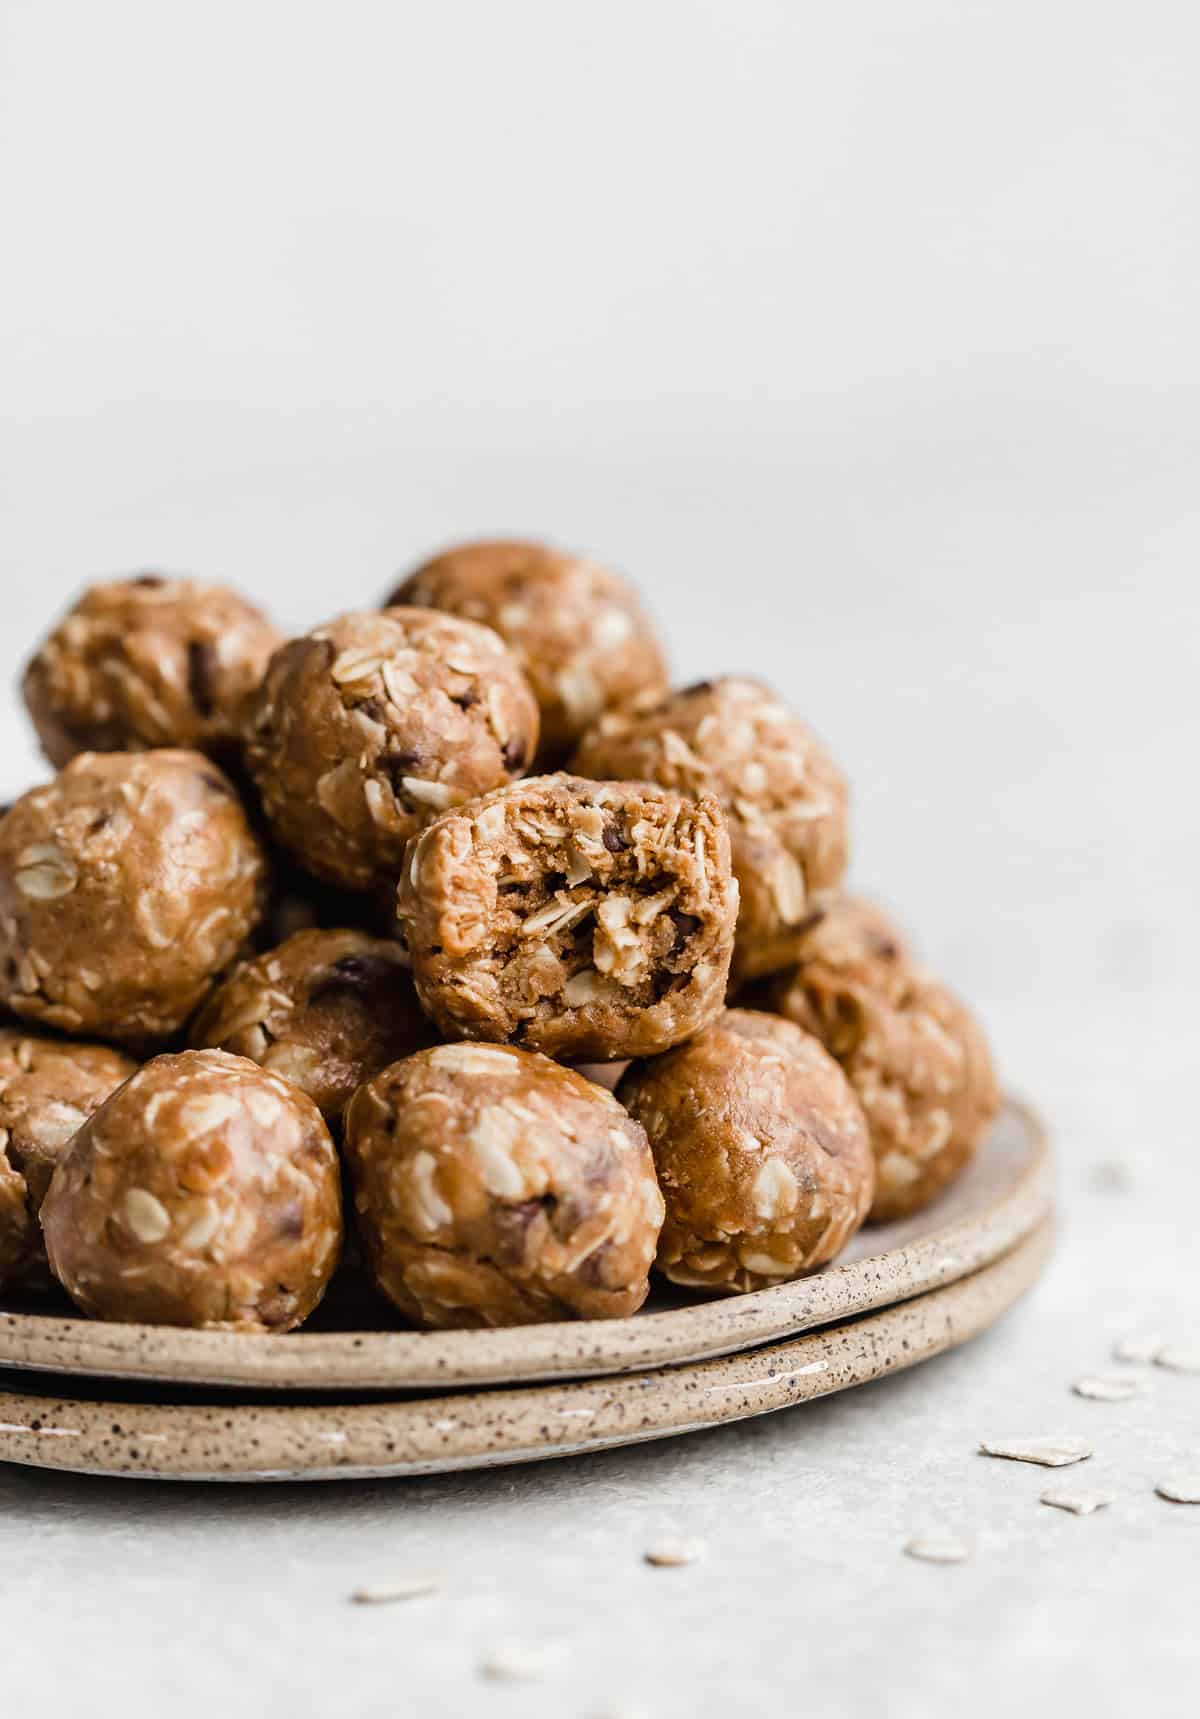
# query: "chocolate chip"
[515,755]
[697,688]
[594,1268]
[396,765]
[464,700]
[614,841]
[348,977]
[685,924]
[291,1219]
[149,581]
[513,1224]
[202,665]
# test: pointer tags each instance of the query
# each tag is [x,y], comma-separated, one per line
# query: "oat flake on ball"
[588,920]
[785,799]
[578,630]
[494,1187]
[48,1089]
[126,886]
[205,1192]
[368,727]
[761,1149]
[148,662]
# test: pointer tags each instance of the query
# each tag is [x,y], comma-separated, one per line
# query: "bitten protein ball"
[785,799]
[367,727]
[761,1149]
[145,663]
[588,920]
[48,1090]
[577,630]
[913,1052]
[495,1188]
[126,886]
[205,1192]
[327,1010]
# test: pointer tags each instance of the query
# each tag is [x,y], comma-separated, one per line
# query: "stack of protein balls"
[371,895]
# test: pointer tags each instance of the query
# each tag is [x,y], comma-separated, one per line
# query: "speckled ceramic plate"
[1003,1197]
[323,1440]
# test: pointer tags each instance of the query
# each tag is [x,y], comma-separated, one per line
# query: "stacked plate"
[347,1397]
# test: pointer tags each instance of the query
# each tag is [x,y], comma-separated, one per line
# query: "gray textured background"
[865,339]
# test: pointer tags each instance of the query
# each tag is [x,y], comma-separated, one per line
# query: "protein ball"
[148,662]
[577,630]
[913,1052]
[126,886]
[762,1152]
[854,955]
[205,1192]
[367,727]
[588,920]
[785,799]
[48,1089]
[326,1010]
[495,1188]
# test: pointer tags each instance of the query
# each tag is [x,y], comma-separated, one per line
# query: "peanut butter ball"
[148,662]
[495,1188]
[367,727]
[588,920]
[205,1192]
[914,1053]
[326,1010]
[48,1089]
[785,799]
[126,886]
[761,1149]
[576,629]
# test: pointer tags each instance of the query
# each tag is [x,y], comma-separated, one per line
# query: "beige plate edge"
[381,1360]
[275,1442]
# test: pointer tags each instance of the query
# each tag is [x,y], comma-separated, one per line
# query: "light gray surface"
[866,340]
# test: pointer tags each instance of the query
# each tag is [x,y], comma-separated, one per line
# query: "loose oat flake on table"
[1107,1388]
[413,1587]
[938,1549]
[674,1552]
[1178,1357]
[1180,1488]
[1078,1503]
[1137,1348]
[1051,1452]
[519,1661]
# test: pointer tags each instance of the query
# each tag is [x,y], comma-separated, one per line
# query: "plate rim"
[381,1439]
[421,1360]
